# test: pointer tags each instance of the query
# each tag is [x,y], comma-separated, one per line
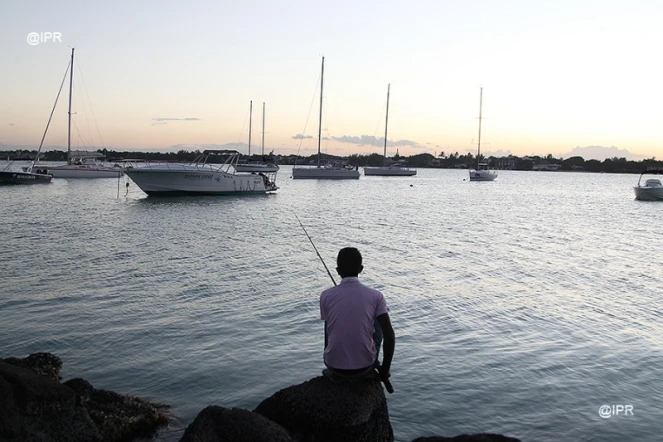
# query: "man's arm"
[389,343]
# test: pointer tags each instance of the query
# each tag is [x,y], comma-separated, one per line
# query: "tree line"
[423,160]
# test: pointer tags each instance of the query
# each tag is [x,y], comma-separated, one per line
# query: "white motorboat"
[481,173]
[201,177]
[81,164]
[652,190]
[394,169]
[324,171]
[257,166]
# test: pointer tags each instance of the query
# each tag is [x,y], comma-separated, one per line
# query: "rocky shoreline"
[36,406]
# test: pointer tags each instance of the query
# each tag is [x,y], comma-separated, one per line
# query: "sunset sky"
[168,75]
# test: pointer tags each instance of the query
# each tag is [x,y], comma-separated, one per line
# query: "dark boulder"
[118,417]
[44,364]
[327,412]
[233,425]
[37,408]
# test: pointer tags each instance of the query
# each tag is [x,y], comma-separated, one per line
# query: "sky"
[172,75]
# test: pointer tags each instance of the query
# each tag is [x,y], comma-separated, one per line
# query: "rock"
[118,417]
[44,364]
[323,411]
[483,437]
[37,408]
[233,425]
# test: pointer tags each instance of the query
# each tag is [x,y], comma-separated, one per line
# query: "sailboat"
[257,166]
[81,164]
[481,173]
[326,171]
[396,169]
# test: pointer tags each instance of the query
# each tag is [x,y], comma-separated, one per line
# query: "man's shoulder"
[371,289]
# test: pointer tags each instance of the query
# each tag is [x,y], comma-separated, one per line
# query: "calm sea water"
[520,306]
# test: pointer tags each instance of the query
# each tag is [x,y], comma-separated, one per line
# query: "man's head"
[348,262]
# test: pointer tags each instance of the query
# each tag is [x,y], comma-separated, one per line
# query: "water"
[520,306]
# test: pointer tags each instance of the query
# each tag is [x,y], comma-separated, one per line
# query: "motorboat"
[38,176]
[200,177]
[652,190]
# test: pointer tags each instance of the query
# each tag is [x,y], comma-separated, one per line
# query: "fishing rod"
[316,249]
[383,378]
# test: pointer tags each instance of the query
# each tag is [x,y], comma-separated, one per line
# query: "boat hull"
[84,172]
[192,182]
[643,193]
[325,173]
[388,171]
[257,168]
[12,177]
[482,175]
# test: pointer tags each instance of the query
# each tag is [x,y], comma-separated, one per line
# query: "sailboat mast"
[480,109]
[263,128]
[71,86]
[386,123]
[322,77]
[250,114]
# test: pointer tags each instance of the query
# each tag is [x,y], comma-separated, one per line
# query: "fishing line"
[315,248]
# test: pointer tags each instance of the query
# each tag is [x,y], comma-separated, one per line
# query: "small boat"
[396,169]
[82,164]
[256,166]
[652,190]
[201,177]
[481,173]
[39,176]
[325,171]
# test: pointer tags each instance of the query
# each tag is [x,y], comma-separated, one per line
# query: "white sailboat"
[393,169]
[253,166]
[481,173]
[81,164]
[326,171]
[200,177]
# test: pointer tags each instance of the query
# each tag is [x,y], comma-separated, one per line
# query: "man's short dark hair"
[349,262]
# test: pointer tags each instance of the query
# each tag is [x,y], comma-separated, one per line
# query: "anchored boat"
[201,177]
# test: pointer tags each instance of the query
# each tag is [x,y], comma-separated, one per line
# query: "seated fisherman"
[356,319]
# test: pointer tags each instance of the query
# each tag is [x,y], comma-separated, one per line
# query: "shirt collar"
[350,279]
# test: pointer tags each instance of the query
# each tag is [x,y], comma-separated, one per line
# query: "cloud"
[176,119]
[301,137]
[157,121]
[602,152]
[371,140]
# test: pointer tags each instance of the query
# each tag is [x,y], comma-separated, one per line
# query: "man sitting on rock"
[356,319]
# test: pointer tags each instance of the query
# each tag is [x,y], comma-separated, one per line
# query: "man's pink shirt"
[350,309]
